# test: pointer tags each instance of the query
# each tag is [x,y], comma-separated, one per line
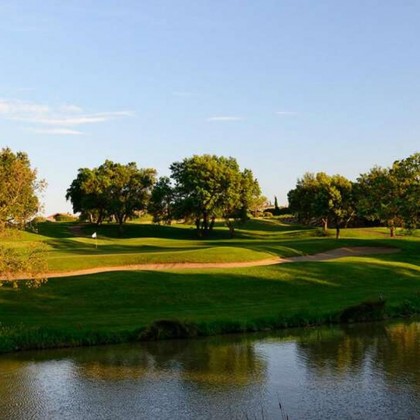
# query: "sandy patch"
[323,256]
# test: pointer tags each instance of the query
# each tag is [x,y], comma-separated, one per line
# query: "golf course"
[161,281]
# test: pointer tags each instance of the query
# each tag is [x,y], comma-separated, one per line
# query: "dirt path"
[323,256]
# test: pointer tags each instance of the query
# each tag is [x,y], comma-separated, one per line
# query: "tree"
[324,198]
[340,202]
[161,204]
[88,196]
[392,195]
[19,203]
[129,190]
[112,189]
[207,187]
[407,175]
[276,211]
[19,187]
[377,197]
[304,199]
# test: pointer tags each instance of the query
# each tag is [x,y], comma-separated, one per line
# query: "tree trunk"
[392,231]
[325,225]
[213,220]
[337,229]
[100,217]
[205,224]
[120,220]
[231,230]
[197,225]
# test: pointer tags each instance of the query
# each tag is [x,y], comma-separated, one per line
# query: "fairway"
[120,305]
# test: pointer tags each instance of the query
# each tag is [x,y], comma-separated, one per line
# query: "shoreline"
[28,339]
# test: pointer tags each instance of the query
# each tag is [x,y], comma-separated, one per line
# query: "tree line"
[389,195]
[203,188]
[200,189]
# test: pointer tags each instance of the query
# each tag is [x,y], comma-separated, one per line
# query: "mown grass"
[72,248]
[119,306]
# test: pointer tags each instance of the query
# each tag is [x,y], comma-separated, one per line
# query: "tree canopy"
[392,195]
[324,198]
[19,203]
[19,187]
[389,195]
[203,188]
[111,190]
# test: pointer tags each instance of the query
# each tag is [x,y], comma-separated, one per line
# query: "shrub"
[366,311]
[167,329]
[64,217]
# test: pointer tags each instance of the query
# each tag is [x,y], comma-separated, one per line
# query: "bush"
[372,310]
[167,329]
[64,217]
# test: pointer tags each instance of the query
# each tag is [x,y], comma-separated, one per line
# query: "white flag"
[94,235]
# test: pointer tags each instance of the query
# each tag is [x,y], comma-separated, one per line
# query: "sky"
[284,86]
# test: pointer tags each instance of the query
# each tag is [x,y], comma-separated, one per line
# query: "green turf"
[112,306]
[69,249]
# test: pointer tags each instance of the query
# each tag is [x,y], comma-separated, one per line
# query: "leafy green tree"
[276,211]
[112,189]
[19,187]
[304,199]
[323,198]
[340,202]
[207,187]
[392,195]
[88,194]
[129,190]
[19,203]
[407,175]
[161,204]
[23,262]
[377,197]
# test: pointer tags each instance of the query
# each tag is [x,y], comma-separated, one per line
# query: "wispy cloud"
[69,108]
[10,108]
[225,118]
[79,119]
[57,131]
[64,116]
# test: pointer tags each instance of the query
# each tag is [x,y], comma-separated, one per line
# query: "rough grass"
[122,306]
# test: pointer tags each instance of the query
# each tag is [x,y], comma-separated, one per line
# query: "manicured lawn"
[128,300]
[69,249]
[111,307]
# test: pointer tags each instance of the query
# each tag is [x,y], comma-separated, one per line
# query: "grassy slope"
[70,310]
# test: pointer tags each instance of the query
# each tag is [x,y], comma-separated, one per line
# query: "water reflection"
[203,361]
[369,371]
[394,350]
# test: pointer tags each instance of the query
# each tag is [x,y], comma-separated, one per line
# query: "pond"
[369,371]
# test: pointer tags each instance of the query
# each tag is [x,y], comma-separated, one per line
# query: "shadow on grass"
[136,230]
[216,301]
[56,229]
[251,229]
[82,248]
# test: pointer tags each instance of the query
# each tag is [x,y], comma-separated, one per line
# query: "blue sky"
[284,86]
